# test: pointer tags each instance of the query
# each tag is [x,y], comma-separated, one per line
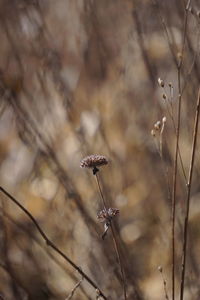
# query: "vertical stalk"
[179,68]
[189,184]
[173,215]
[113,237]
[100,190]
[119,260]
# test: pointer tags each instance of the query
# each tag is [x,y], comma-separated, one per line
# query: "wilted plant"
[106,215]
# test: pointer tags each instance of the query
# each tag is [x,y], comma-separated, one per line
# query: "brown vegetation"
[119,78]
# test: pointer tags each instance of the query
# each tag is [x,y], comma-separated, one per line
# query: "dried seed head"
[93,161]
[107,214]
[161,82]
[153,133]
[170,84]
[164,96]
[164,119]
[157,125]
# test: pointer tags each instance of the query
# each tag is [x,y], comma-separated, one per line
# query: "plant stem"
[119,260]
[179,68]
[100,191]
[51,244]
[189,183]
[114,238]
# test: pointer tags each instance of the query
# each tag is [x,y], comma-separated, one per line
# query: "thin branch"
[100,191]
[74,289]
[171,114]
[41,245]
[119,260]
[114,238]
[189,184]
[51,244]
[176,148]
[173,215]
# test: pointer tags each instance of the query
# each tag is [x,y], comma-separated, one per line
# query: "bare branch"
[50,243]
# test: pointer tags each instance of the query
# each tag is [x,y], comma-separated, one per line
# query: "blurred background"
[80,77]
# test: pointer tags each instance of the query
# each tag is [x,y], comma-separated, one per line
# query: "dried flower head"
[157,125]
[161,82]
[93,161]
[107,214]
[170,84]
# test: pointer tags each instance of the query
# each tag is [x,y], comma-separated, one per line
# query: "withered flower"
[106,216]
[93,161]
[161,82]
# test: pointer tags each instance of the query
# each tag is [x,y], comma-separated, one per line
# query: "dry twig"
[189,184]
[50,243]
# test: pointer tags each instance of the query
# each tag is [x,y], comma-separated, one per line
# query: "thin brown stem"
[174,194]
[189,184]
[114,238]
[177,147]
[51,244]
[174,128]
[100,190]
[42,246]
[119,260]
[74,289]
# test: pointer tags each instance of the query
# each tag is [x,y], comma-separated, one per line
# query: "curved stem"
[51,244]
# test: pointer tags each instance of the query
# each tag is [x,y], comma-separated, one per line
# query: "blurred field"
[80,77]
